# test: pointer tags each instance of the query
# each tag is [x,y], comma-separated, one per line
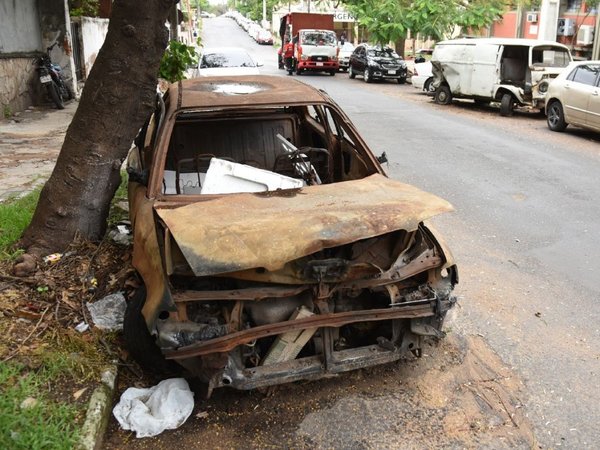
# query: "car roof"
[501,41]
[213,50]
[375,46]
[242,90]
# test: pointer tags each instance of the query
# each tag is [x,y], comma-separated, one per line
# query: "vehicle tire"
[401,80]
[443,96]
[138,341]
[367,76]
[66,93]
[428,86]
[556,116]
[351,73]
[298,71]
[506,105]
[55,95]
[332,73]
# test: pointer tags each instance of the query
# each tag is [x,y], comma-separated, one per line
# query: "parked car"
[271,244]
[346,50]
[514,72]
[422,77]
[264,37]
[253,30]
[573,97]
[377,63]
[226,61]
[423,54]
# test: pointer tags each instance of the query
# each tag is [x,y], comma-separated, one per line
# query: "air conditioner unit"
[566,27]
[532,17]
[585,35]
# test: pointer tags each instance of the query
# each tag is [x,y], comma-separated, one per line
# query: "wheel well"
[500,93]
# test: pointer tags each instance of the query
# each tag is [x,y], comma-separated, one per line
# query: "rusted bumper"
[327,364]
[413,310]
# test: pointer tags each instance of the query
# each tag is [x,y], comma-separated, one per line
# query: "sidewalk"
[29,146]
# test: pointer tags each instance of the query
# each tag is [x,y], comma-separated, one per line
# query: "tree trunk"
[399,44]
[118,96]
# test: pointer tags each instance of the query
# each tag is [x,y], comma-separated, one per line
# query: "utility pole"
[173,22]
[549,20]
[596,47]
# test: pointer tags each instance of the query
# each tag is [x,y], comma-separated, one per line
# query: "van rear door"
[485,69]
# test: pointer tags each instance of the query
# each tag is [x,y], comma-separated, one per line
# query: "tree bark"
[399,44]
[118,96]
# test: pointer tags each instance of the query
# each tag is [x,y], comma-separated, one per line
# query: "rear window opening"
[283,149]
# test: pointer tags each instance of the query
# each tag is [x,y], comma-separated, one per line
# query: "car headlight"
[372,63]
[304,57]
[543,87]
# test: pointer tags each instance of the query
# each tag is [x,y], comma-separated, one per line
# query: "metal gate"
[77,56]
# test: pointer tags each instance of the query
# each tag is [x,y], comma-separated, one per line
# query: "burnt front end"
[338,309]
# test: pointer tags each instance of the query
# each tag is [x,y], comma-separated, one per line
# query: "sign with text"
[342,16]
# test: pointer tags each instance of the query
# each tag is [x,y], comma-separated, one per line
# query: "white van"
[514,72]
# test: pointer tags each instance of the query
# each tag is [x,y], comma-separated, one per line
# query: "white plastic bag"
[150,411]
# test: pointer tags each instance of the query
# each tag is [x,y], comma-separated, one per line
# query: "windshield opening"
[382,53]
[550,57]
[226,59]
[318,38]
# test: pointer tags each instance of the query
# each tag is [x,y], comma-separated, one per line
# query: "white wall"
[93,32]
[19,26]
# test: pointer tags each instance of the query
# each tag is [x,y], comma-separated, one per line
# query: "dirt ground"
[29,146]
[458,395]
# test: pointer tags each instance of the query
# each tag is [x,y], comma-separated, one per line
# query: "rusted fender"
[243,231]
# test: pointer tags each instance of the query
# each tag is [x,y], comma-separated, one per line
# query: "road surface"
[520,365]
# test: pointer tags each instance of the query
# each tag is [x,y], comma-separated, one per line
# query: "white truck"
[514,72]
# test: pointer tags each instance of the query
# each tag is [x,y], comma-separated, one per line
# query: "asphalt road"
[524,232]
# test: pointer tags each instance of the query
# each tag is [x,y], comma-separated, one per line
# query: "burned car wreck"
[271,245]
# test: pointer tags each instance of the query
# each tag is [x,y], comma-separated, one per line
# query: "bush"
[177,58]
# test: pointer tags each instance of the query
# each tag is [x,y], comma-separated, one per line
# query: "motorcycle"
[51,77]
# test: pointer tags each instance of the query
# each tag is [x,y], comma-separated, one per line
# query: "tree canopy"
[390,20]
[253,8]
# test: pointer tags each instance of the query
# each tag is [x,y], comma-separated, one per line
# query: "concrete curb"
[98,411]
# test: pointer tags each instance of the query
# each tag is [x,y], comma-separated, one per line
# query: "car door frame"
[576,98]
[593,109]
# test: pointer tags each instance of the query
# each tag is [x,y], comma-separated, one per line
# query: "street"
[518,365]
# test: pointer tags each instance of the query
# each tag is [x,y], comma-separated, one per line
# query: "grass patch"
[117,213]
[15,215]
[28,418]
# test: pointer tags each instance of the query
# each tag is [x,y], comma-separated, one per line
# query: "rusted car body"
[251,289]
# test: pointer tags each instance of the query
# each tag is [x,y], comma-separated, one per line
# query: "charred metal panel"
[253,90]
[242,231]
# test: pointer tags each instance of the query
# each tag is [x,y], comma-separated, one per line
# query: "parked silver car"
[573,97]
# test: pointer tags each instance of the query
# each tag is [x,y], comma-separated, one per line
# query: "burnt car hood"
[243,231]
